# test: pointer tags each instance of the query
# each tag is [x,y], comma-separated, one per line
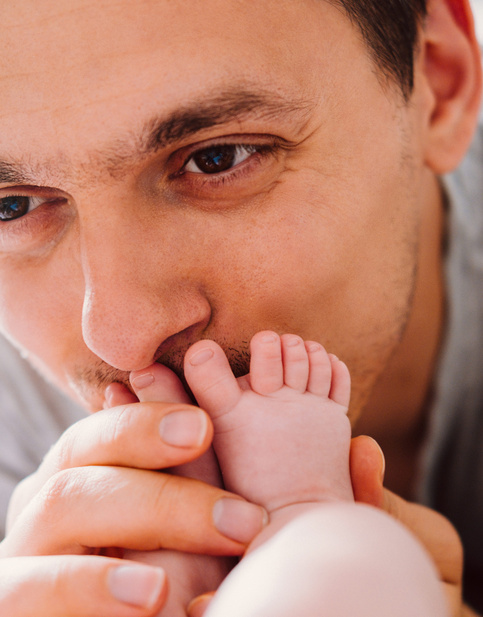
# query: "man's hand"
[79,586]
[97,488]
[432,529]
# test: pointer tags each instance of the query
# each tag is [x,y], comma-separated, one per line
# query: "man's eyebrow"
[11,173]
[234,104]
[209,111]
[216,110]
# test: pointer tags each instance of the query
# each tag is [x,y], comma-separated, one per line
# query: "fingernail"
[239,520]
[136,585]
[382,471]
[198,606]
[142,381]
[383,464]
[184,429]
[293,341]
[201,356]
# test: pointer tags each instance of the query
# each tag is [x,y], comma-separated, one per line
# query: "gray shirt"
[33,414]
[452,478]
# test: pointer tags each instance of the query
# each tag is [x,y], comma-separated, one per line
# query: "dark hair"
[390,30]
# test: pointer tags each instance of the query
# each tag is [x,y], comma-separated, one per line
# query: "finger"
[159,383]
[80,586]
[367,471]
[150,435]
[142,435]
[434,531]
[198,606]
[89,507]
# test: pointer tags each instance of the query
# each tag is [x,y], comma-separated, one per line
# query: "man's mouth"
[89,382]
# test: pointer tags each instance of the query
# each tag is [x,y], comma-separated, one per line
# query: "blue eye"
[15,206]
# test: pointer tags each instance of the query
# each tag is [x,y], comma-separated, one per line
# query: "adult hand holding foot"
[434,531]
[98,488]
[282,437]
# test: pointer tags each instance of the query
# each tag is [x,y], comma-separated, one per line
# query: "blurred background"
[478,10]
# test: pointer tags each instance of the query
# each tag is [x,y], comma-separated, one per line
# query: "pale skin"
[131,254]
[283,438]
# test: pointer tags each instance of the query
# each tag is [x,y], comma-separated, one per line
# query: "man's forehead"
[77,74]
[80,50]
[81,30]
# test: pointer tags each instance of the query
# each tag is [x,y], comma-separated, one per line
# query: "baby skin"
[282,438]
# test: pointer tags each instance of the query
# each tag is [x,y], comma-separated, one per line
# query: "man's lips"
[89,382]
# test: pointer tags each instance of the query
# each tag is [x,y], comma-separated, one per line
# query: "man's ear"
[449,63]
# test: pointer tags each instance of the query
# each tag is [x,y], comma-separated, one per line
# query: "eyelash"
[34,203]
[258,153]
[34,229]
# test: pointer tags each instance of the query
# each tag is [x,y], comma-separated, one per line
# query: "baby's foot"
[281,433]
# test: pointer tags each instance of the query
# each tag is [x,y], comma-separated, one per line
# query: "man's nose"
[137,295]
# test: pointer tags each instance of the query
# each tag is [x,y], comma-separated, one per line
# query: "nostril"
[180,341]
[130,337]
[172,350]
[132,318]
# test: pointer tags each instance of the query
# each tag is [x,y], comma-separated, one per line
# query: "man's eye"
[16,206]
[216,159]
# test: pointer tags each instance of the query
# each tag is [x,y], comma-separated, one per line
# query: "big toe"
[158,383]
[210,378]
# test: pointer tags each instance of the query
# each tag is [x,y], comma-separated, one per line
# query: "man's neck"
[396,415]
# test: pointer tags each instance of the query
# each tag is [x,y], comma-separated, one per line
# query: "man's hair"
[390,31]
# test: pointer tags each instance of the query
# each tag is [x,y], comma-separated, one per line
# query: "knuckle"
[59,490]
[62,451]
[21,496]
[21,492]
[59,574]
[121,424]
[167,495]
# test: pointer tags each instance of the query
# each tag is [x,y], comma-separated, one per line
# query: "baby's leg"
[281,433]
[339,559]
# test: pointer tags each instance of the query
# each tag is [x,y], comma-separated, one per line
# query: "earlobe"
[450,62]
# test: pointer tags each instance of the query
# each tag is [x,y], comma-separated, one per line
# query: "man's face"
[200,170]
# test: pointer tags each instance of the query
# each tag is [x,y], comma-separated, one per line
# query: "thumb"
[367,471]
[435,533]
